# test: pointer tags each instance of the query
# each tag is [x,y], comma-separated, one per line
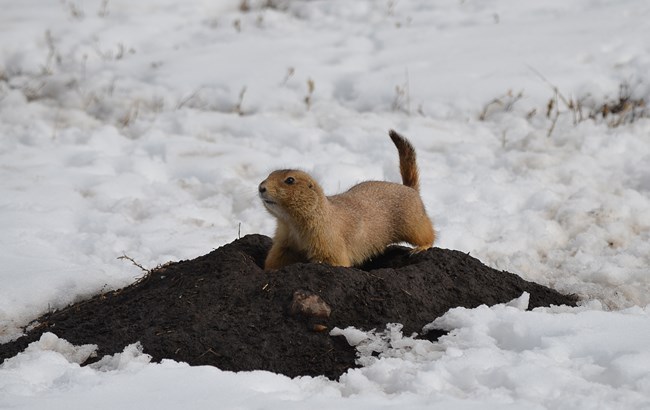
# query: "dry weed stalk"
[240,101]
[133,262]
[506,102]
[103,9]
[245,6]
[623,110]
[290,72]
[131,115]
[402,101]
[76,12]
[311,86]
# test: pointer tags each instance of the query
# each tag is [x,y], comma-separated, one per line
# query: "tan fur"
[349,228]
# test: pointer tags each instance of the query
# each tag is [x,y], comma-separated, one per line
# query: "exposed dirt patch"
[221,309]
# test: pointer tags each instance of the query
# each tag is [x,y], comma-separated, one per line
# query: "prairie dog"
[349,228]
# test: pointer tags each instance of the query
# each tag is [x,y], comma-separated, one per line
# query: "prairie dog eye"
[289,181]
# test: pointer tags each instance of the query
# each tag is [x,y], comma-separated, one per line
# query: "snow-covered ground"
[143,128]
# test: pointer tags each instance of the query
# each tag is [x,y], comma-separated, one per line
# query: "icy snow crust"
[143,128]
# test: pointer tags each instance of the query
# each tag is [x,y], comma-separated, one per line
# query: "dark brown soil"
[221,309]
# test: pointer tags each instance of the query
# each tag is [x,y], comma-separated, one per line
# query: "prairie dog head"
[290,193]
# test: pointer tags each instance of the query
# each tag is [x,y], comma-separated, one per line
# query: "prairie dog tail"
[407,165]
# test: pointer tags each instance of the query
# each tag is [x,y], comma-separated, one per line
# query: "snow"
[143,128]
[494,357]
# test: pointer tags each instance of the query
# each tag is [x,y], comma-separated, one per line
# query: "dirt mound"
[221,309]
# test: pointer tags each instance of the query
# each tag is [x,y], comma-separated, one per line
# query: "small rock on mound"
[222,309]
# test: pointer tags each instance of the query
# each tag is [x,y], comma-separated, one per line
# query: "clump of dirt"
[222,309]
